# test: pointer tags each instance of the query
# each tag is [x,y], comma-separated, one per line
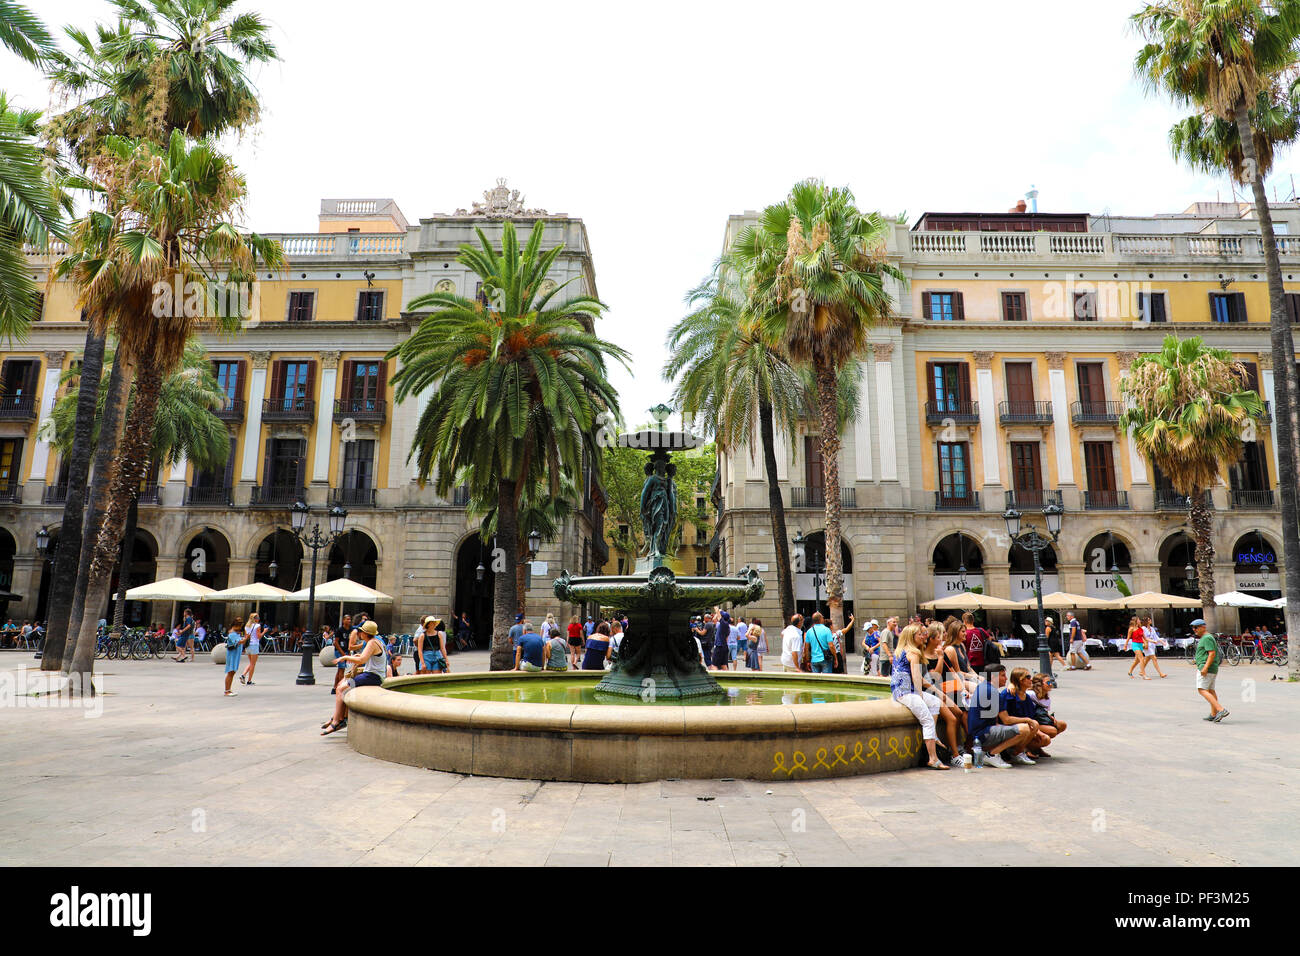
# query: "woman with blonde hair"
[959,681]
[254,647]
[1137,642]
[906,685]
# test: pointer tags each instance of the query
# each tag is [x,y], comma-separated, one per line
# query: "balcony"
[1096,413]
[11,492]
[944,501]
[1252,500]
[276,496]
[959,413]
[318,245]
[939,246]
[1025,413]
[148,495]
[353,497]
[815,498]
[17,408]
[460,496]
[200,497]
[54,495]
[288,410]
[1169,500]
[1105,500]
[232,411]
[360,409]
[1034,499]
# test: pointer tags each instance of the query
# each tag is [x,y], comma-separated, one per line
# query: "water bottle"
[978,754]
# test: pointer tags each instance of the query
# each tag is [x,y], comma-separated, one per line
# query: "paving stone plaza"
[172,773]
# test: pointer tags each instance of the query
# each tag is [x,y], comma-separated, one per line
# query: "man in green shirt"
[1207,669]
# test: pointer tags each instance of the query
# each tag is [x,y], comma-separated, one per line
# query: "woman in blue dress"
[597,649]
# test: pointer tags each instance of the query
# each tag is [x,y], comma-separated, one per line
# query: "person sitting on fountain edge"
[989,724]
[528,651]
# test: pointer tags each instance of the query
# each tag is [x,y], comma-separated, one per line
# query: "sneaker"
[1218,718]
[1023,758]
[1211,717]
[956,763]
[995,760]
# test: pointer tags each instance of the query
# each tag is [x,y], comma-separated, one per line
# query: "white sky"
[654,122]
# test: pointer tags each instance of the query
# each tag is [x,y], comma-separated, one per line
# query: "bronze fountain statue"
[658,657]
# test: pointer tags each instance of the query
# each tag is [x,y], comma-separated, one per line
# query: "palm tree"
[1187,411]
[1220,58]
[730,377]
[30,212]
[516,387]
[207,88]
[815,272]
[186,428]
[23,33]
[166,226]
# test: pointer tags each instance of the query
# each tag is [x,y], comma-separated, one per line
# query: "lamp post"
[316,540]
[1036,544]
[42,552]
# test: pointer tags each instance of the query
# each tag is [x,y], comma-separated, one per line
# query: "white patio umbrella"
[1280,602]
[1152,600]
[1064,599]
[342,590]
[1240,599]
[254,593]
[170,589]
[969,600]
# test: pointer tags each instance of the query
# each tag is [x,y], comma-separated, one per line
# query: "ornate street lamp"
[316,540]
[534,543]
[42,542]
[1035,544]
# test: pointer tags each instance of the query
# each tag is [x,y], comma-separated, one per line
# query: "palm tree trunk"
[776,506]
[132,463]
[830,441]
[63,580]
[110,434]
[1203,534]
[1286,389]
[124,562]
[505,601]
[521,583]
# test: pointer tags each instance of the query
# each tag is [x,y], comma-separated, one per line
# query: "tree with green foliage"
[516,386]
[623,476]
[1234,61]
[1187,409]
[816,273]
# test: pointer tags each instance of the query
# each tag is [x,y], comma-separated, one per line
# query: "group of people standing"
[241,638]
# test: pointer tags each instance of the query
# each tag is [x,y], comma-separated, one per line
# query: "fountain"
[657,713]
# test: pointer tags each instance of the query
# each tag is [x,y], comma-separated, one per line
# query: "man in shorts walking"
[1074,630]
[1207,669]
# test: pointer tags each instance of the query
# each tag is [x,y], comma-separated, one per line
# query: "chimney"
[1019,207]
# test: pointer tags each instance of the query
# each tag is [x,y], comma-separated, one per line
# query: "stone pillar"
[320,469]
[988,417]
[862,430]
[26,580]
[50,389]
[253,423]
[1060,417]
[885,404]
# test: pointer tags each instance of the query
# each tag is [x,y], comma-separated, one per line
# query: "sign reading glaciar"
[1252,580]
[946,585]
[1022,586]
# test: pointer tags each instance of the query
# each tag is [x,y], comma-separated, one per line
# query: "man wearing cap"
[1207,669]
[517,630]
[871,647]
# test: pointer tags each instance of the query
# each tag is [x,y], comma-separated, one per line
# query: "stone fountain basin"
[613,743]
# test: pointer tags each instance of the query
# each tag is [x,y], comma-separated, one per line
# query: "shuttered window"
[942,306]
[1026,475]
[1151,307]
[954,470]
[1013,306]
[1228,306]
[302,306]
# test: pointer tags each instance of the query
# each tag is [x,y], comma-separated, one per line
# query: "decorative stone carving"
[1265,360]
[55,358]
[1056,360]
[260,359]
[329,359]
[983,359]
[883,350]
[501,202]
[1125,358]
[446,286]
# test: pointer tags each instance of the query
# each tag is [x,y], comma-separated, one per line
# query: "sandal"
[937,764]
[330,728]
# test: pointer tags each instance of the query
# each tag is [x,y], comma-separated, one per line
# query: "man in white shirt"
[738,640]
[615,635]
[792,644]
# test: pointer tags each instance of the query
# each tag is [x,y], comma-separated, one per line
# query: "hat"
[370,627]
[424,621]
[518,618]
[1199,622]
[873,623]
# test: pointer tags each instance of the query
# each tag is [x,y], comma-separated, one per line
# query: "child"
[1048,722]
[1020,704]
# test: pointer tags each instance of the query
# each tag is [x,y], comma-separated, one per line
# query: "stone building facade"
[311,413]
[998,384]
